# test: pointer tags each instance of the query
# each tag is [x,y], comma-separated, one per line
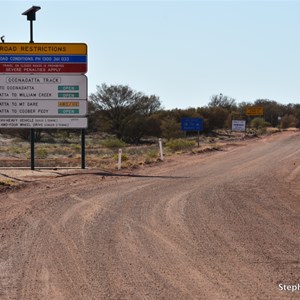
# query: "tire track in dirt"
[217,226]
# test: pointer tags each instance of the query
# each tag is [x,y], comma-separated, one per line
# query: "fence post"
[161,149]
[120,159]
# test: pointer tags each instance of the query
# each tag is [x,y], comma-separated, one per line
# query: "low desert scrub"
[124,157]
[113,143]
[76,147]
[17,150]
[208,148]
[180,144]
[152,153]
[259,123]
[6,183]
[61,150]
[41,152]
[271,130]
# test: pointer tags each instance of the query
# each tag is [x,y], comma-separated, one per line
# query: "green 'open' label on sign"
[68,111]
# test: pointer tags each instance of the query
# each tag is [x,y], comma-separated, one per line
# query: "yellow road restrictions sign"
[254,111]
[44,48]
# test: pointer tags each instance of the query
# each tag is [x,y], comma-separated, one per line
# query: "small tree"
[222,101]
[124,110]
[258,123]
[288,121]
[171,129]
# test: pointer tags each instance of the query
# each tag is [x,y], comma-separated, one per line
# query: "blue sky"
[182,51]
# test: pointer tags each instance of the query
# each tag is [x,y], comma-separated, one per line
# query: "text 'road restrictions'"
[43,48]
[19,108]
[43,122]
[47,87]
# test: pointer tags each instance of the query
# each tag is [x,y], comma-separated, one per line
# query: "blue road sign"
[191,124]
[43,59]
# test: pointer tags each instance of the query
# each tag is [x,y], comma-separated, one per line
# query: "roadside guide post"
[30,13]
[120,159]
[161,149]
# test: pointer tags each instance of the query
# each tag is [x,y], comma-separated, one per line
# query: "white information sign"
[43,122]
[41,108]
[43,87]
[238,125]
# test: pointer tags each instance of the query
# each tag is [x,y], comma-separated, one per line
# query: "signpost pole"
[198,138]
[31,31]
[82,148]
[30,13]
[32,133]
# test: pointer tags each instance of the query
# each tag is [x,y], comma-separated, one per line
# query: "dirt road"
[223,225]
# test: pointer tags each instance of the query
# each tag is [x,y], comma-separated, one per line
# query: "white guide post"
[120,159]
[161,149]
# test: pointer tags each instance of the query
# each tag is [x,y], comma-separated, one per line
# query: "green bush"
[152,153]
[171,129]
[113,143]
[258,123]
[75,147]
[180,144]
[124,157]
[288,121]
[41,152]
[16,150]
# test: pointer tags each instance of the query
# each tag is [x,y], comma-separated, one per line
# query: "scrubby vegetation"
[180,144]
[133,116]
[120,117]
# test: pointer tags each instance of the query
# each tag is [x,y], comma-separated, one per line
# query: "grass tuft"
[113,143]
[180,144]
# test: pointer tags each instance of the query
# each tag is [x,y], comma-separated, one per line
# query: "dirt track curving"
[222,225]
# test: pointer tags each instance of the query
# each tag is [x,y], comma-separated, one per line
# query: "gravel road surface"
[222,225]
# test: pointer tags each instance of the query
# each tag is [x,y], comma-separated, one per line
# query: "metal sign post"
[30,13]
[82,148]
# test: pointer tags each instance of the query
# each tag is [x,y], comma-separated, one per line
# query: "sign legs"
[32,148]
[82,148]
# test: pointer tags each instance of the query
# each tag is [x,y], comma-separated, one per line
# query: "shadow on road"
[110,174]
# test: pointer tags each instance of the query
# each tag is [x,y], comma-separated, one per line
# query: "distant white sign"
[238,125]
[43,122]
[42,108]
[39,87]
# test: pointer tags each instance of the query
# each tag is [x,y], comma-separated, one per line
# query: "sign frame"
[35,58]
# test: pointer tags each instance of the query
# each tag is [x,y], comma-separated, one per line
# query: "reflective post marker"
[161,149]
[120,159]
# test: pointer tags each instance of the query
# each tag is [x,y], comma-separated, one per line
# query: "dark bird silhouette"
[2,38]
